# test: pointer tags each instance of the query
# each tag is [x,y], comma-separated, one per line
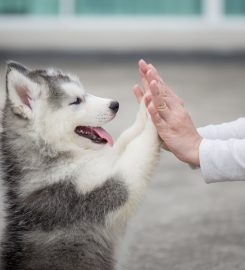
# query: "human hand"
[148,73]
[173,123]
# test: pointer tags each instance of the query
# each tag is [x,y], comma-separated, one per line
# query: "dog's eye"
[77,102]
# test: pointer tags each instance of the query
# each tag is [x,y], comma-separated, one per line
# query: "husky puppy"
[69,189]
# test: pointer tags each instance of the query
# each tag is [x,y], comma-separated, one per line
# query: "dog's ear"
[21,90]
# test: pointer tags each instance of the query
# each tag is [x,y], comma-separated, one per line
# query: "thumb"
[138,93]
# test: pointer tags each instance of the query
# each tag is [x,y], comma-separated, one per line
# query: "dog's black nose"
[114,106]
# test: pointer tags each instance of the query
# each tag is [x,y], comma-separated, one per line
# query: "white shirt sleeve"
[222,151]
[222,160]
[225,131]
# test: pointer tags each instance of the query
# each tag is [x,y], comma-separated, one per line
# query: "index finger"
[151,76]
[143,68]
[155,73]
[149,73]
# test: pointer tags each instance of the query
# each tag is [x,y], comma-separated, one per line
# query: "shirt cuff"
[222,160]
[207,171]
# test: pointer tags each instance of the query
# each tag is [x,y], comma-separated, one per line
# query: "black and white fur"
[67,198]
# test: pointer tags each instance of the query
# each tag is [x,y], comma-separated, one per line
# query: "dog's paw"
[142,113]
[151,127]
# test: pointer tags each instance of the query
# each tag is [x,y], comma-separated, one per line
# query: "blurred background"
[122,25]
[199,48]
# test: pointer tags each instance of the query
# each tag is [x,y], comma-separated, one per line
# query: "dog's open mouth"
[95,134]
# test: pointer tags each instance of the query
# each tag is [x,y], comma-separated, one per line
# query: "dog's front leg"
[128,135]
[135,167]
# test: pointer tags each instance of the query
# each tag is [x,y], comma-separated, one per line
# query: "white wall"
[211,31]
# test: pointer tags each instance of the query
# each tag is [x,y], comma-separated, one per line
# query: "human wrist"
[192,156]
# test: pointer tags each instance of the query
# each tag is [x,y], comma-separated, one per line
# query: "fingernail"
[146,102]
[142,61]
[154,84]
[148,98]
[148,73]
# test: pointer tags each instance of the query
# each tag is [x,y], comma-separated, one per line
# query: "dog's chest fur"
[53,225]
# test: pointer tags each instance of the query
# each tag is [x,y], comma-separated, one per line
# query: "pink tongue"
[104,134]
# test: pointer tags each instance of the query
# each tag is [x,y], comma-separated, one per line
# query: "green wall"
[235,7]
[118,7]
[22,7]
[140,7]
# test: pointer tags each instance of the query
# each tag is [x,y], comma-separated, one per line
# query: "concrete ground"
[182,223]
